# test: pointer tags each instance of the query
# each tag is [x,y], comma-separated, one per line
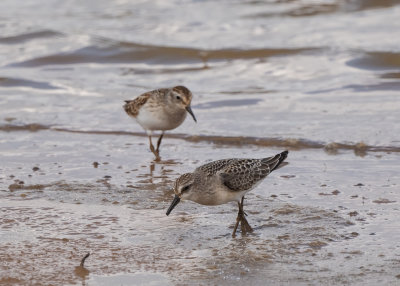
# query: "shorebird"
[223,181]
[160,109]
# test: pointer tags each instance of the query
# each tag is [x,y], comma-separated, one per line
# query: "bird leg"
[244,225]
[159,142]
[237,222]
[155,152]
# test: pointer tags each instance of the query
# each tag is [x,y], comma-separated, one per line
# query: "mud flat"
[323,219]
[319,79]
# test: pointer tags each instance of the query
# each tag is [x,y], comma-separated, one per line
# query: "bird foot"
[158,158]
[156,153]
[244,225]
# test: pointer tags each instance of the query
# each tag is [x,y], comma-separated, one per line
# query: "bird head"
[182,188]
[182,97]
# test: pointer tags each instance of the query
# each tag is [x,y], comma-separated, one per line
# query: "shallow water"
[320,78]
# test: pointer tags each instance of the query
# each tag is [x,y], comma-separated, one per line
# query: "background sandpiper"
[160,109]
[223,181]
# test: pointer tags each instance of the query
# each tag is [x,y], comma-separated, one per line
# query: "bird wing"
[212,168]
[132,107]
[243,174]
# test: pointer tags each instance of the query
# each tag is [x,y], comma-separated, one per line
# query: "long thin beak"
[173,204]
[189,109]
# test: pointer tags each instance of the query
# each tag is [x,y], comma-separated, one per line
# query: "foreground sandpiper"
[160,109]
[223,181]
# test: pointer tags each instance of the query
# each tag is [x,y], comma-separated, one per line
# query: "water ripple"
[126,52]
[22,38]
[18,82]
[377,61]
[359,148]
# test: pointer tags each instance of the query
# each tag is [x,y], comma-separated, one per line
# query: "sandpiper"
[160,109]
[223,181]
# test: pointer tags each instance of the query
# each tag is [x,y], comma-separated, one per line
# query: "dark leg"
[155,152]
[159,142]
[237,222]
[244,225]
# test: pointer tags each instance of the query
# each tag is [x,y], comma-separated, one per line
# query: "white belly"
[159,120]
[217,196]
[224,197]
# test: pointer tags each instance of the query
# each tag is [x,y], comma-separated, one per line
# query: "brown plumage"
[132,107]
[226,180]
[161,109]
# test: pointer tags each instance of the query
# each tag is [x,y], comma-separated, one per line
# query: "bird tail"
[282,157]
[127,106]
[276,161]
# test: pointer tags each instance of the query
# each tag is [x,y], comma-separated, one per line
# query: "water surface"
[320,78]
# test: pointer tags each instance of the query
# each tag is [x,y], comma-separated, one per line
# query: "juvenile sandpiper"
[161,109]
[223,181]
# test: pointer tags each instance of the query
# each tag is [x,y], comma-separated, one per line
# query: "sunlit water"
[320,78]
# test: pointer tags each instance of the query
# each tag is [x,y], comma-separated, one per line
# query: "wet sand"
[324,215]
[76,176]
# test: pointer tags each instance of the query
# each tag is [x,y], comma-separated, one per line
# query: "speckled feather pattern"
[226,180]
[183,179]
[132,107]
[242,174]
[161,109]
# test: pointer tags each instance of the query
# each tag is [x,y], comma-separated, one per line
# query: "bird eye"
[178,97]
[184,189]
